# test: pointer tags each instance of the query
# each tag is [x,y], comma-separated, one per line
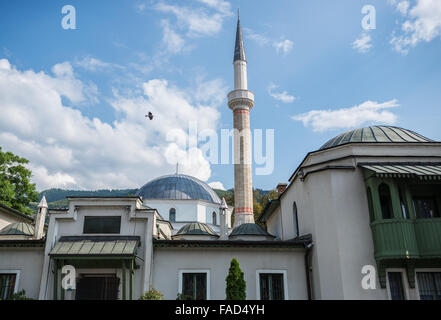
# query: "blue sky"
[73,101]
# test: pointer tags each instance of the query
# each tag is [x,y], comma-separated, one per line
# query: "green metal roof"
[196,228]
[249,229]
[18,228]
[405,170]
[95,246]
[376,134]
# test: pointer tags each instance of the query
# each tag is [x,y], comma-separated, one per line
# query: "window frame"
[266,271]
[100,233]
[181,278]
[423,270]
[214,218]
[17,277]
[170,214]
[404,282]
[295,213]
[417,209]
[390,204]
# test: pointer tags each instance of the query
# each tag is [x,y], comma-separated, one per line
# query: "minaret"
[40,219]
[241,101]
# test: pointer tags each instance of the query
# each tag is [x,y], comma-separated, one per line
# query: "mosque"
[359,219]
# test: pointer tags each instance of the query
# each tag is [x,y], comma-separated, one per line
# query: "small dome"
[19,228]
[178,187]
[197,229]
[249,229]
[376,134]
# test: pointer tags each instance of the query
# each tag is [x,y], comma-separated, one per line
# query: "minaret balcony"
[240,97]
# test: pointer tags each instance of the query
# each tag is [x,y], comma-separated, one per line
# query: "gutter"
[308,249]
[230,243]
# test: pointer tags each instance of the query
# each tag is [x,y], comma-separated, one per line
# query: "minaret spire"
[241,101]
[239,50]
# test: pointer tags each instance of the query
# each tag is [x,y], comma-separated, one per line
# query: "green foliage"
[236,285]
[16,189]
[21,295]
[183,297]
[152,294]
[260,199]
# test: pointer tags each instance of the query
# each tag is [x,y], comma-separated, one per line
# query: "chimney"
[223,220]
[40,218]
[281,187]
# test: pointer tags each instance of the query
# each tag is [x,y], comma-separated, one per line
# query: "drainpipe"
[308,248]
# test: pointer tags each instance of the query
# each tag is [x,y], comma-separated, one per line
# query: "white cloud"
[422,23]
[260,39]
[217,185]
[68,149]
[199,21]
[280,96]
[140,7]
[363,43]
[220,5]
[356,116]
[284,46]
[90,63]
[210,91]
[403,7]
[173,41]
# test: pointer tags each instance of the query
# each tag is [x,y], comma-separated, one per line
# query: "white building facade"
[370,197]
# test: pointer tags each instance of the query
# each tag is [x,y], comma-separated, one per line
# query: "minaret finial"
[238,13]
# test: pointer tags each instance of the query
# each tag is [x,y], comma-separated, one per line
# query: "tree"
[260,200]
[236,285]
[152,294]
[16,190]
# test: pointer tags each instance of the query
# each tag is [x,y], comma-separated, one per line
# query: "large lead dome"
[380,134]
[178,187]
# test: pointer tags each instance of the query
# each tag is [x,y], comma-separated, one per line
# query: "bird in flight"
[149,115]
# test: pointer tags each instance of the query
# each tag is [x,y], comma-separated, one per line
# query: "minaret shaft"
[241,101]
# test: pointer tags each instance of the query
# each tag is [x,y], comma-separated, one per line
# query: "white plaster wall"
[64,225]
[186,210]
[274,224]
[332,206]
[168,263]
[6,219]
[30,263]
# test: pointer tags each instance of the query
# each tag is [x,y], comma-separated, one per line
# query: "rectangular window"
[426,207]
[429,285]
[194,286]
[102,225]
[272,286]
[7,285]
[396,286]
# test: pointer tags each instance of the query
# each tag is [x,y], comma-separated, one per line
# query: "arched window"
[385,201]
[214,218]
[172,215]
[295,219]
[370,205]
